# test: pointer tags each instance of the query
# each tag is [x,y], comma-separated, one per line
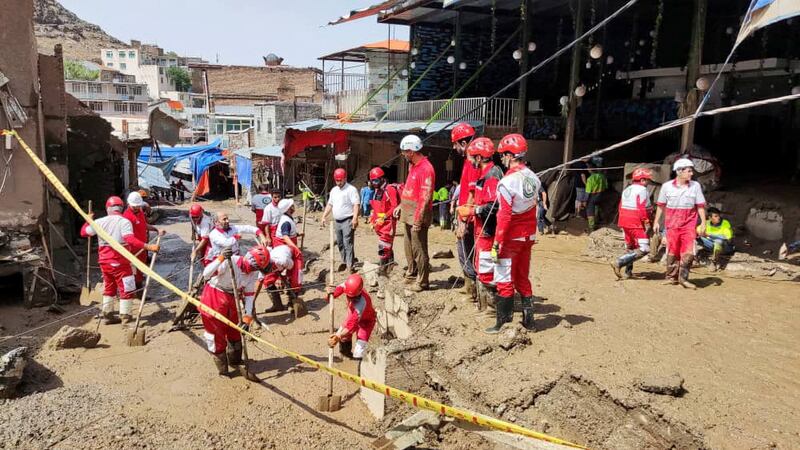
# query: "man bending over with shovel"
[224,342]
[360,319]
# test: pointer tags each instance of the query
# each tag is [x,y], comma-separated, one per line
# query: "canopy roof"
[358,54]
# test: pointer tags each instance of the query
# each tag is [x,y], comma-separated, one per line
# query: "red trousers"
[636,238]
[680,241]
[139,275]
[512,269]
[118,279]
[484,266]
[218,334]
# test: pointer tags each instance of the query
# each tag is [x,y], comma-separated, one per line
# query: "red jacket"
[634,207]
[139,222]
[121,230]
[469,175]
[485,196]
[360,313]
[517,192]
[417,197]
[384,201]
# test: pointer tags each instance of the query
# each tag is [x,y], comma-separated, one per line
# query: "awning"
[365,12]
[296,141]
[200,157]
[359,54]
[766,12]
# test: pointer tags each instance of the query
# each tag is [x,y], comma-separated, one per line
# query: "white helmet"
[135,199]
[285,204]
[682,164]
[412,143]
[281,256]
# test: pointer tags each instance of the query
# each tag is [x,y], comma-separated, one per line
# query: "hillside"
[55,24]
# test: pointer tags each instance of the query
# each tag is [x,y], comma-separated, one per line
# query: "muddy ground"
[734,341]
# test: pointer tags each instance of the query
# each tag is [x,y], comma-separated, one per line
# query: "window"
[109,54]
[131,54]
[122,54]
[269,126]
[161,71]
[110,64]
[120,107]
[121,89]
[258,125]
[96,106]
[136,90]
[123,66]
[136,107]
[95,88]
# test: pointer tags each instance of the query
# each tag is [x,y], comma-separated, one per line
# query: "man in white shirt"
[225,235]
[344,203]
[258,203]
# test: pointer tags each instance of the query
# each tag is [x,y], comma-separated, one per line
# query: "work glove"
[227,253]
[152,248]
[495,251]
[465,211]
[333,340]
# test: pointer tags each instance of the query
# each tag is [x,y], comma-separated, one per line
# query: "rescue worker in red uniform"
[517,195]
[461,135]
[271,216]
[484,213]
[136,215]
[223,341]
[118,278]
[360,320]
[201,229]
[385,200]
[258,203]
[681,202]
[634,219]
[285,272]
[416,208]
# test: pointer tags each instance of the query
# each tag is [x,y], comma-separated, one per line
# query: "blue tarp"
[244,171]
[200,156]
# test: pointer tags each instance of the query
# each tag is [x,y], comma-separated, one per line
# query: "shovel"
[136,337]
[245,359]
[330,402]
[89,295]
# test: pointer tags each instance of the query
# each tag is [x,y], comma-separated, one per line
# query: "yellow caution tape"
[409,398]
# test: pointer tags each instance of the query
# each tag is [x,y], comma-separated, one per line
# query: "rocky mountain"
[55,24]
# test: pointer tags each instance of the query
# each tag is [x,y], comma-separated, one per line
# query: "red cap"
[642,174]
[513,143]
[376,173]
[339,174]
[114,201]
[195,210]
[462,131]
[353,285]
[483,147]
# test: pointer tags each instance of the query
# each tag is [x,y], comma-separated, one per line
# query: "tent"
[200,158]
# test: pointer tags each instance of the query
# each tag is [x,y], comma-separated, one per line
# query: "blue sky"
[239,31]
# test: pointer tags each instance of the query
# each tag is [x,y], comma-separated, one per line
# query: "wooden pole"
[88,252]
[693,70]
[303,236]
[575,72]
[330,306]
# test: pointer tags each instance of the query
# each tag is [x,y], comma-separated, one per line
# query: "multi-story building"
[116,97]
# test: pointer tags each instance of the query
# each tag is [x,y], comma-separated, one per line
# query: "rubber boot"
[683,273]
[626,261]
[527,313]
[221,361]
[298,306]
[277,304]
[504,313]
[628,272]
[346,349]
[672,270]
[591,223]
[234,353]
[110,318]
[125,318]
[470,290]
[715,255]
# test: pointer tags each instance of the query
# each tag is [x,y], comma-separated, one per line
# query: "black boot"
[277,304]
[504,313]
[221,361]
[628,272]
[346,349]
[234,353]
[527,313]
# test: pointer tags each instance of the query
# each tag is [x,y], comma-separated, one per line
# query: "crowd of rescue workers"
[495,223]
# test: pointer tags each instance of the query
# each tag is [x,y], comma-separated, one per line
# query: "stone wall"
[274,117]
[264,82]
[382,65]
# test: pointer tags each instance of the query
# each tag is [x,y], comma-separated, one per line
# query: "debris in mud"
[605,243]
[513,336]
[443,254]
[662,384]
[370,271]
[12,367]
[71,337]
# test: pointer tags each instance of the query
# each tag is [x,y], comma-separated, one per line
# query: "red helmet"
[339,174]
[114,201]
[376,173]
[353,285]
[195,210]
[483,147]
[461,131]
[513,143]
[642,174]
[258,256]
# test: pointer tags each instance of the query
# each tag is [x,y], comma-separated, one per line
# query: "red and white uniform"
[258,203]
[383,203]
[118,276]
[220,239]
[516,230]
[485,197]
[680,205]
[360,320]
[202,231]
[139,223]
[634,216]
[416,199]
[270,218]
[285,261]
[218,295]
[286,228]
[469,176]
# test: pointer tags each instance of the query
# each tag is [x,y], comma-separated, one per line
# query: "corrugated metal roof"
[275,151]
[375,127]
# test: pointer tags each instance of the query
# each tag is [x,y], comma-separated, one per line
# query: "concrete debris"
[765,224]
[370,271]
[662,384]
[443,254]
[71,337]
[513,336]
[410,432]
[12,367]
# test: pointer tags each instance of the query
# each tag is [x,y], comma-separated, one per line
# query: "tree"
[183,82]
[73,70]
